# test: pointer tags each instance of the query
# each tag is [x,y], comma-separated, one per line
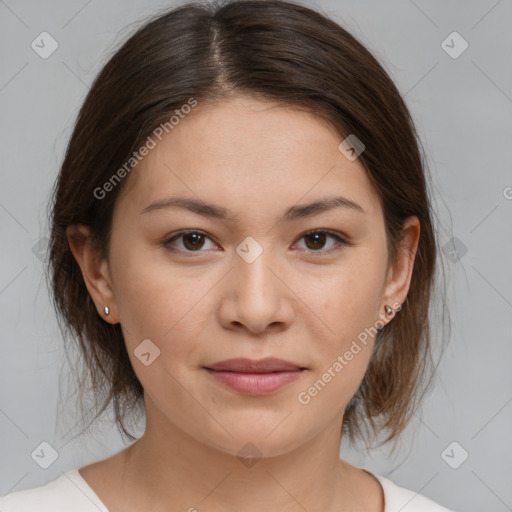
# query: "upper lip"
[245,365]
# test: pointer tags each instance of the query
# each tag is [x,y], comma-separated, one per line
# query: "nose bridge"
[258,295]
[253,262]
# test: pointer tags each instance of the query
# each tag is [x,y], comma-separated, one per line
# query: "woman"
[242,245]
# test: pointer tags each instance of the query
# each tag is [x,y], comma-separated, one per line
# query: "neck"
[174,471]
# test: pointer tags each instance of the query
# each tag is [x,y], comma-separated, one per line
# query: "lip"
[245,365]
[255,377]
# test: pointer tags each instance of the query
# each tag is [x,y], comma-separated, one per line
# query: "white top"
[71,492]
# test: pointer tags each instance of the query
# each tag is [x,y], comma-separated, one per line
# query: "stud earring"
[107,311]
[388,309]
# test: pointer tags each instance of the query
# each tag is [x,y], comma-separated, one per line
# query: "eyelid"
[341,240]
[178,234]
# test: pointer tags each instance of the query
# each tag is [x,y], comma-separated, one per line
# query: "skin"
[209,304]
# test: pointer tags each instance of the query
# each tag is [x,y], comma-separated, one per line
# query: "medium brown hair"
[272,50]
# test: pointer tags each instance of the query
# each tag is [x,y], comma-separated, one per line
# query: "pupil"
[316,237]
[196,237]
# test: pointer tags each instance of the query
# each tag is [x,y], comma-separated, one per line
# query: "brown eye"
[192,241]
[316,240]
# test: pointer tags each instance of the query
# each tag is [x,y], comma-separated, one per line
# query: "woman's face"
[251,284]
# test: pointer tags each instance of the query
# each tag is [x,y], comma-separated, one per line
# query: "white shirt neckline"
[395,498]
[72,492]
[79,481]
[75,476]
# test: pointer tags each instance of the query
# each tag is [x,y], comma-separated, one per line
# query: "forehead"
[251,156]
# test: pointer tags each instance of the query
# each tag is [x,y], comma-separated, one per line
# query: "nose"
[256,296]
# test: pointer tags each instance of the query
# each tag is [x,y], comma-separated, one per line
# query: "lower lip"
[255,383]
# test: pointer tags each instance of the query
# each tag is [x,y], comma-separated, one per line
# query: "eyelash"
[340,242]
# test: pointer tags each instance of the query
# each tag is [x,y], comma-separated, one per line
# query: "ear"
[400,271]
[95,271]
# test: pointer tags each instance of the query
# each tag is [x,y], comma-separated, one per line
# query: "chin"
[260,442]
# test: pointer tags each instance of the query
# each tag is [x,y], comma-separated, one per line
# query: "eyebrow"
[295,212]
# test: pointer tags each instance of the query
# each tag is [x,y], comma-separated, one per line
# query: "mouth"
[245,365]
[251,377]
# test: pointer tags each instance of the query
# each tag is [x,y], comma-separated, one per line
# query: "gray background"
[463,110]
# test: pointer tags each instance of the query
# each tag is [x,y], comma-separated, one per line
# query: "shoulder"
[404,500]
[62,494]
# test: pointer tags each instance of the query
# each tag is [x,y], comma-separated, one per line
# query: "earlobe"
[94,270]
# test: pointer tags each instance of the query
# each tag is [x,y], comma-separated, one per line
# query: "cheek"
[348,301]
[159,305]
[338,372]
[343,351]
[153,299]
